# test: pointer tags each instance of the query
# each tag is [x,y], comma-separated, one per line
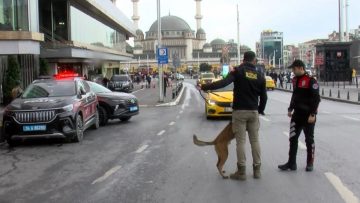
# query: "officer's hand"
[289,114]
[312,119]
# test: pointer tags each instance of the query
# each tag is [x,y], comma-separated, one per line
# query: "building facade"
[271,48]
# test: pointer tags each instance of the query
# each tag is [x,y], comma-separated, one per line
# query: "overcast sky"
[300,20]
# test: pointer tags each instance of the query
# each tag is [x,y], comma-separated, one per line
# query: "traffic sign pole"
[161,79]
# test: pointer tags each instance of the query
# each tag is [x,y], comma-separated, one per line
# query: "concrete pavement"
[152,159]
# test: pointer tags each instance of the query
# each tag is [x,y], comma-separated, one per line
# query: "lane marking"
[181,112]
[265,119]
[351,118]
[142,148]
[177,117]
[300,144]
[172,123]
[137,90]
[344,192]
[326,112]
[161,133]
[106,175]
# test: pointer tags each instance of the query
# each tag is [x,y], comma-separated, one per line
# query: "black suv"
[121,83]
[114,105]
[57,107]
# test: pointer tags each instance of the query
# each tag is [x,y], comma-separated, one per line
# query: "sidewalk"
[149,97]
[349,94]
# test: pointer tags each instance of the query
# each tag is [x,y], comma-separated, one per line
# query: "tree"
[12,77]
[44,67]
[205,67]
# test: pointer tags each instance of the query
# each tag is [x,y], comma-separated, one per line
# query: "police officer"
[302,111]
[249,85]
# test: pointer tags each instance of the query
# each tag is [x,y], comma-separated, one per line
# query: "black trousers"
[298,124]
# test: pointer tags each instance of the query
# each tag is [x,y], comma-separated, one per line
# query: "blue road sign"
[162,55]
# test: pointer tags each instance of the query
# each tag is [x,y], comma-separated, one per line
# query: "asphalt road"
[152,158]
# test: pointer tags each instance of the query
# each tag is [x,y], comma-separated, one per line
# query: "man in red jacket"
[302,111]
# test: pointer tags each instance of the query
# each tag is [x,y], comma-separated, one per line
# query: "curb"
[327,98]
[173,103]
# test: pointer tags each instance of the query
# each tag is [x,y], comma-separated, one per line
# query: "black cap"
[297,63]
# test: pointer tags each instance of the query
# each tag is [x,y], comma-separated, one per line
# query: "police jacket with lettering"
[305,98]
[249,85]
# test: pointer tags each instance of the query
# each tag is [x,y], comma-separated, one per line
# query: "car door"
[88,101]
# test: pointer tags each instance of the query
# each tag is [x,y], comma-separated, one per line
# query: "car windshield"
[226,89]
[50,89]
[98,88]
[207,75]
[119,78]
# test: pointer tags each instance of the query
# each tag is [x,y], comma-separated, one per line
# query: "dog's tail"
[201,143]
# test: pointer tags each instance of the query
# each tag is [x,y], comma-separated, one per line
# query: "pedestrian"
[302,111]
[249,85]
[165,84]
[16,91]
[353,75]
[281,79]
[148,79]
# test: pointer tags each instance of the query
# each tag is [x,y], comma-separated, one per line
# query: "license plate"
[30,128]
[228,109]
[133,108]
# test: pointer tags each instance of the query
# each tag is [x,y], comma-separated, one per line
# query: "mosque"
[183,43]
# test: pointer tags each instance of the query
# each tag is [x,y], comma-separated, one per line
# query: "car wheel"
[103,116]
[97,120]
[79,129]
[125,118]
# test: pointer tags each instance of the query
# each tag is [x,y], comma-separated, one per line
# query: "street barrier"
[338,94]
[322,92]
[348,95]
[330,95]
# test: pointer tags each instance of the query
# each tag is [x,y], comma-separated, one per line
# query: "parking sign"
[162,55]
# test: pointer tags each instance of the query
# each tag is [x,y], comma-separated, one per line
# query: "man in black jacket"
[249,85]
[302,111]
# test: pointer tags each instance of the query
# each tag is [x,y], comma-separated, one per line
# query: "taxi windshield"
[207,75]
[225,89]
[50,89]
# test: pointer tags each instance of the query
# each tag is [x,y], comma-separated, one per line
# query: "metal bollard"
[322,92]
[359,97]
[286,86]
[357,84]
[348,95]
[338,94]
[330,95]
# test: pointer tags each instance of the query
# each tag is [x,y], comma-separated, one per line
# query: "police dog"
[221,143]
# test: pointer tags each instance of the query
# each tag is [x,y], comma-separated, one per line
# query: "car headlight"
[211,102]
[68,108]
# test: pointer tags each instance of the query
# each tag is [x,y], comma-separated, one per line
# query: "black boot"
[288,166]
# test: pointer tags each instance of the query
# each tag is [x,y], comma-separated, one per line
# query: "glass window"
[50,89]
[14,15]
[98,88]
[86,29]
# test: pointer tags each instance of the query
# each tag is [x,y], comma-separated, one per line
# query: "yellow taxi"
[270,84]
[206,78]
[219,102]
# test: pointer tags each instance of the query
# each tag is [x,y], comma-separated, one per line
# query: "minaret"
[136,16]
[198,16]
